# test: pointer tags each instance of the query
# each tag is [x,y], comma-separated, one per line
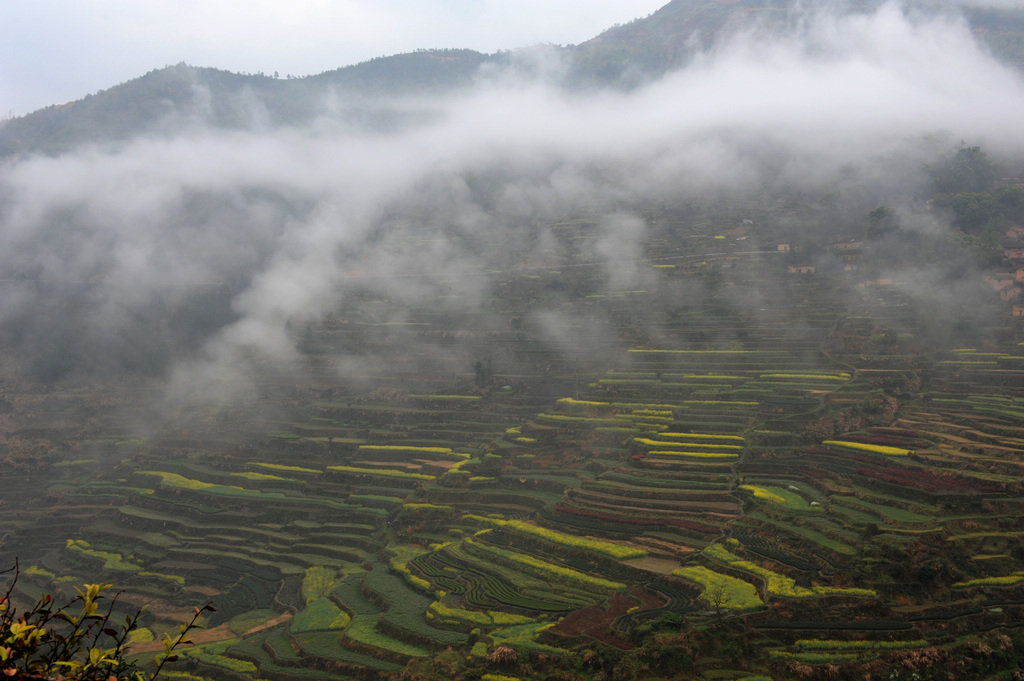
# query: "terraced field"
[696,473]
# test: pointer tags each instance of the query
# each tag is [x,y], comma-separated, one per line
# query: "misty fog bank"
[201,255]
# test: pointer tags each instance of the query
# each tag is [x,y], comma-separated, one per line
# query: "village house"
[1000,280]
[1016,233]
[784,248]
[1014,253]
[850,259]
[1018,310]
[1011,293]
[851,245]
[801,269]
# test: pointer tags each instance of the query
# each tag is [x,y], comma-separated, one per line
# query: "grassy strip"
[708,352]
[549,568]
[806,533]
[695,455]
[702,436]
[376,497]
[607,548]
[248,475]
[325,644]
[384,472]
[1008,580]
[487,584]
[402,567]
[731,593]
[363,630]
[864,447]
[871,646]
[815,658]
[522,637]
[116,562]
[409,506]
[777,495]
[320,615]
[627,381]
[363,627]
[447,397]
[486,619]
[777,584]
[581,419]
[249,620]
[893,513]
[661,443]
[406,608]
[281,467]
[447,451]
[581,403]
[213,655]
[823,377]
[643,405]
[180,481]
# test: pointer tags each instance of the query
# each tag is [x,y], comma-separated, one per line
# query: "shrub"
[77,641]
[503,655]
[316,580]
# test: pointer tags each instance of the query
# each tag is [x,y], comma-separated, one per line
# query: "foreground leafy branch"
[77,641]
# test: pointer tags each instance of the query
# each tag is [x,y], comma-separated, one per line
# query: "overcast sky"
[54,51]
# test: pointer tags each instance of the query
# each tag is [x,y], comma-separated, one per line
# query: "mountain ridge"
[623,56]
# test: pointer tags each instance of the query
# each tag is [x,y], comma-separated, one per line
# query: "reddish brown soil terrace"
[595,621]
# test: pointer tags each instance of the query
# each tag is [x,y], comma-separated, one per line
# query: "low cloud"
[255,234]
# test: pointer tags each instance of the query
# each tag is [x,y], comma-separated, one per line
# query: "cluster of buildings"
[1009,284]
[847,251]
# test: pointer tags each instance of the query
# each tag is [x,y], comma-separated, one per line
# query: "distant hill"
[671,36]
[175,97]
[666,39]
[1002,29]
